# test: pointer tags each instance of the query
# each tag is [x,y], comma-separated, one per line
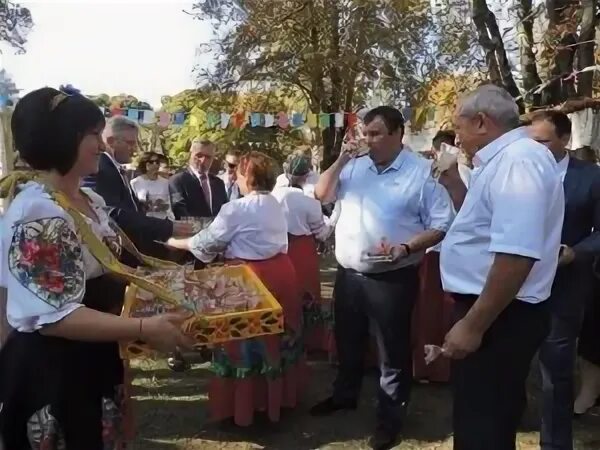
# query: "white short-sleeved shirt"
[46,264]
[155,193]
[514,205]
[251,228]
[303,214]
[396,205]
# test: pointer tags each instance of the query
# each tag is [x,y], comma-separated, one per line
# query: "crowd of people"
[484,247]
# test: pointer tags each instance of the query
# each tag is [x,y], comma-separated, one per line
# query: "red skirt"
[265,373]
[318,336]
[432,319]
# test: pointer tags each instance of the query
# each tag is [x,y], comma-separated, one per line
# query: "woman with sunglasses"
[151,189]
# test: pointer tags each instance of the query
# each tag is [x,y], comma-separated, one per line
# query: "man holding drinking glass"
[229,175]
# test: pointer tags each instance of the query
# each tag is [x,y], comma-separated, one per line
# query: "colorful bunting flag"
[212,119]
[283,120]
[132,114]
[324,120]
[239,119]
[352,120]
[179,118]
[164,119]
[297,120]
[148,117]
[255,119]
[269,120]
[339,120]
[311,120]
[225,120]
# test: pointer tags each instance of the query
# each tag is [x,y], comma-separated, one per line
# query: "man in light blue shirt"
[498,260]
[390,211]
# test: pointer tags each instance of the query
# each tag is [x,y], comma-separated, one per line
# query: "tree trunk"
[490,39]
[585,52]
[560,42]
[531,78]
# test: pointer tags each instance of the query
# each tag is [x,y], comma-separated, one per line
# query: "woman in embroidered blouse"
[264,373]
[61,379]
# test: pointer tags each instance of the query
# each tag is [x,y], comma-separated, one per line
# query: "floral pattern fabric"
[45,257]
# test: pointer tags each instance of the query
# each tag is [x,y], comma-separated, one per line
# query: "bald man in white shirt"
[498,260]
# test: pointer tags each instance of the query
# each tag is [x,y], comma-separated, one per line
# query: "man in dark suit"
[195,192]
[573,283]
[111,183]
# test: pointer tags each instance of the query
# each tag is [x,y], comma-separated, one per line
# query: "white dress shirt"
[396,205]
[45,263]
[231,187]
[514,205]
[252,228]
[198,175]
[303,214]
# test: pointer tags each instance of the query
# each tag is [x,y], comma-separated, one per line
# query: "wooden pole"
[6,162]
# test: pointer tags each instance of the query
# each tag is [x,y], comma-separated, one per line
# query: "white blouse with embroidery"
[46,264]
[252,228]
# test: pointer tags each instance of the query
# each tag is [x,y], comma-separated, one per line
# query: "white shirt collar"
[487,153]
[114,161]
[196,173]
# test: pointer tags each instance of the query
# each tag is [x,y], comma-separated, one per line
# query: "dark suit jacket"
[187,198]
[581,231]
[126,211]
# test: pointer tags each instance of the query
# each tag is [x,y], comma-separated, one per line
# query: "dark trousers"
[489,384]
[573,285]
[386,301]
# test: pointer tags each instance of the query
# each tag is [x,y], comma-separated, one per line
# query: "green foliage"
[197,103]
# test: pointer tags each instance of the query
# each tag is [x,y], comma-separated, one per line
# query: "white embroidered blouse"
[46,264]
[251,228]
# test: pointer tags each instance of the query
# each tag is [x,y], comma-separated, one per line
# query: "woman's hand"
[163,332]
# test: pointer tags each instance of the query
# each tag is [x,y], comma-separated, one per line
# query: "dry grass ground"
[171,415]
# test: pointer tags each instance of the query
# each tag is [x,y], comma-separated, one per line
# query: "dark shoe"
[329,406]
[383,439]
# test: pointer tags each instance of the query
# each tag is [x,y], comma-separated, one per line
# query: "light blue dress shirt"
[397,204]
[514,205]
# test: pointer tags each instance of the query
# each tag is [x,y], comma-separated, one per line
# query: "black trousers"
[386,301]
[489,384]
[573,285]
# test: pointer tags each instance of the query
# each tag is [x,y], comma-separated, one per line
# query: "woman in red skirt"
[433,312]
[265,373]
[305,225]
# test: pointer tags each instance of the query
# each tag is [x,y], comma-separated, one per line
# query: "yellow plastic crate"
[267,318]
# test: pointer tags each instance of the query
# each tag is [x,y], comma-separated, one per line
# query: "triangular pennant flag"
[133,114]
[239,119]
[212,119]
[324,120]
[148,117]
[178,118]
[194,121]
[255,119]
[225,120]
[339,120]
[311,120]
[297,120]
[352,120]
[269,120]
[164,118]
[283,120]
